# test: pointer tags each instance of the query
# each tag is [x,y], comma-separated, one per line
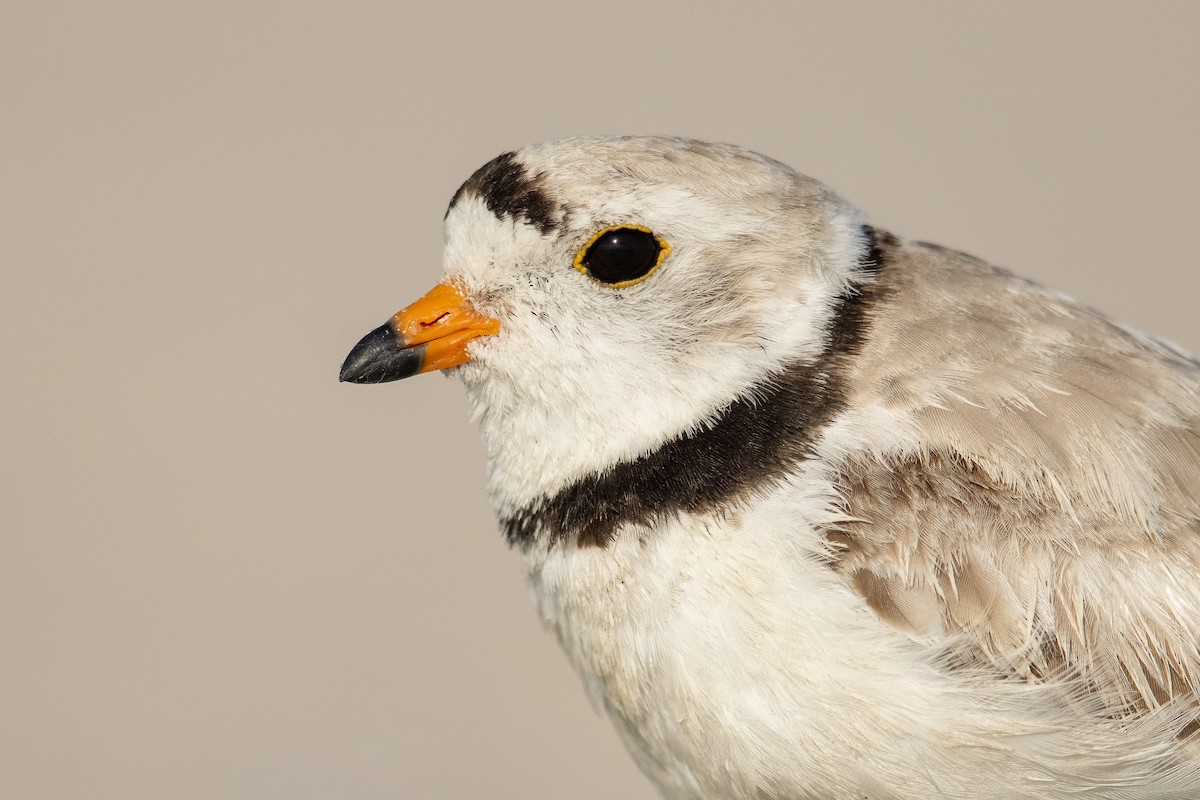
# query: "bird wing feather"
[1045,512]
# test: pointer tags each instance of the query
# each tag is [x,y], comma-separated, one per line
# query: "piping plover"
[816,511]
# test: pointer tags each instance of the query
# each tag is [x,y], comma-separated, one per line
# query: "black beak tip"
[381,356]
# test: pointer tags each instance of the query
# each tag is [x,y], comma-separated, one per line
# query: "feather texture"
[1046,508]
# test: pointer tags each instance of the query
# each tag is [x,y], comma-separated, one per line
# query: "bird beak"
[428,335]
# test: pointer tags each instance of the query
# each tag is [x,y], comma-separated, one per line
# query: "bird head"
[602,295]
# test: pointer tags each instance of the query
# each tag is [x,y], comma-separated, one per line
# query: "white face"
[583,374]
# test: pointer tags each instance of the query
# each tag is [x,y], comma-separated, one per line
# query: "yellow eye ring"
[622,255]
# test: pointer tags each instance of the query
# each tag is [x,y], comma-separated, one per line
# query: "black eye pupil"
[622,254]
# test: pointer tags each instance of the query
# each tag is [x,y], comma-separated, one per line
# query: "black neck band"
[755,440]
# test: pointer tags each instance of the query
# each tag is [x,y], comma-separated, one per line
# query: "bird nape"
[819,511]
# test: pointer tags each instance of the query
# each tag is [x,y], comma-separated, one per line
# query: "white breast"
[735,664]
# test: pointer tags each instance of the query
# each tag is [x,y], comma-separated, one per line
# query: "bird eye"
[622,255]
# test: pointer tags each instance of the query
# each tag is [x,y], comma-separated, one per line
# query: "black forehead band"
[508,190]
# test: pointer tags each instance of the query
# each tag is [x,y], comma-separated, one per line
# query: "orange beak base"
[431,334]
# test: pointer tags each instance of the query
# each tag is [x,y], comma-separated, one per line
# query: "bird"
[817,511]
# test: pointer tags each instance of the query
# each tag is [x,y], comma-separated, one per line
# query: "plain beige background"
[223,574]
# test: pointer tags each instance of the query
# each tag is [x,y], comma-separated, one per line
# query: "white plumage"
[816,512]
